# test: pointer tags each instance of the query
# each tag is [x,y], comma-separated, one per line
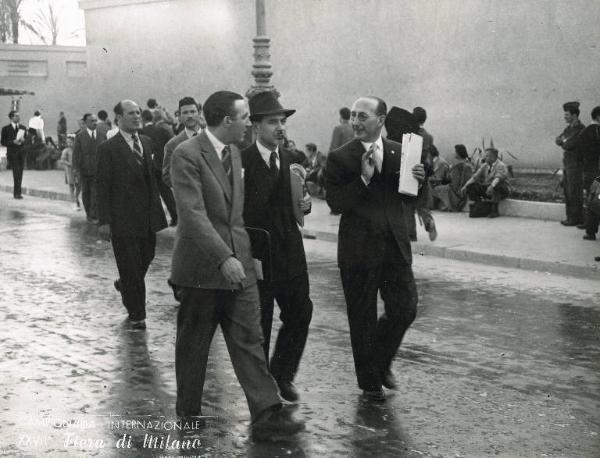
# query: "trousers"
[237,312]
[296,312]
[133,256]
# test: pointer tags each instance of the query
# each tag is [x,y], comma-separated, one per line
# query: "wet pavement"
[499,362]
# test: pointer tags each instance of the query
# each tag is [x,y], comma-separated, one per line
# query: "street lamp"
[261,69]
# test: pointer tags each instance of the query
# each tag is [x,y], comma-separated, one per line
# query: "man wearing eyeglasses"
[374,253]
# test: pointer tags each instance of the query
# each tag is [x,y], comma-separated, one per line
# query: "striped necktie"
[136,145]
[226,161]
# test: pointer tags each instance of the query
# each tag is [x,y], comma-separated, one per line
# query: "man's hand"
[305,204]
[367,166]
[104,231]
[490,190]
[233,271]
[418,172]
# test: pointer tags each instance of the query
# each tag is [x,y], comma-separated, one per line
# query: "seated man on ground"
[490,182]
[449,197]
[314,164]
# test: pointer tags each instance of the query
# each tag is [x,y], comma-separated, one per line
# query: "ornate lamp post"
[261,69]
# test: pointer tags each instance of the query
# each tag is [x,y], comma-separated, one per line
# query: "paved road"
[499,362]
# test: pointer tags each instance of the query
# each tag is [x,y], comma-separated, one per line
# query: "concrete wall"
[493,68]
[57,75]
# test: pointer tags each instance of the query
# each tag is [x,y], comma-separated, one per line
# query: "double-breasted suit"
[268,206]
[128,200]
[14,154]
[85,161]
[210,231]
[374,255]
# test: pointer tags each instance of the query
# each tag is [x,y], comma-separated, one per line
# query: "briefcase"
[260,242]
[480,209]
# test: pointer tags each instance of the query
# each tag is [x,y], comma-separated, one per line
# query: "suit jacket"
[210,225]
[85,150]
[268,206]
[168,153]
[372,213]
[126,191]
[159,137]
[9,134]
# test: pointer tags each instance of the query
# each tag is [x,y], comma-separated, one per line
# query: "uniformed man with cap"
[572,165]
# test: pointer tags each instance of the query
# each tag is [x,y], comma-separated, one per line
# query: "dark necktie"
[226,161]
[273,163]
[93,135]
[136,146]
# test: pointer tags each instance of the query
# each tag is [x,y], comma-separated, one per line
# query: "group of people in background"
[581,170]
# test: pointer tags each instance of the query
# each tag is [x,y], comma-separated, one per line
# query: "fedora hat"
[265,104]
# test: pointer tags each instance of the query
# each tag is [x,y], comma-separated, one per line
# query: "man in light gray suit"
[213,270]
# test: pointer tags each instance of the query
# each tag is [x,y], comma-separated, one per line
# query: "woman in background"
[449,197]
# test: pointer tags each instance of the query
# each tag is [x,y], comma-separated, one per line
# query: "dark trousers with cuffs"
[133,256]
[296,313]
[17,164]
[376,341]
[200,312]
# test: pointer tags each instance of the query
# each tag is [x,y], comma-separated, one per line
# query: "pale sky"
[71,20]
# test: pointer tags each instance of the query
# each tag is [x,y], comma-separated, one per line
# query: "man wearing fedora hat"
[268,205]
[572,166]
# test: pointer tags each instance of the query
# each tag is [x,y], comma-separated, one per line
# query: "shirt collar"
[190,133]
[217,144]
[126,136]
[266,152]
[90,132]
[378,142]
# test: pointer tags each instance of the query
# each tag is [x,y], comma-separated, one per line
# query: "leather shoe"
[493,215]
[581,226]
[374,395]
[288,391]
[589,237]
[389,381]
[275,423]
[19,197]
[138,325]
[566,222]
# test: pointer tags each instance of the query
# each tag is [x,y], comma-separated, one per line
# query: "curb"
[459,254]
[53,195]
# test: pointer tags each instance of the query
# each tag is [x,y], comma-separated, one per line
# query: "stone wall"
[57,75]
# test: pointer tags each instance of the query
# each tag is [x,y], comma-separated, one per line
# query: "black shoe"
[389,381]
[275,423]
[566,222]
[589,237]
[374,395]
[138,325]
[493,215]
[581,226]
[117,284]
[288,391]
[597,259]
[18,197]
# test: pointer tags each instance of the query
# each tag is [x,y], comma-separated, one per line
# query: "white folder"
[412,147]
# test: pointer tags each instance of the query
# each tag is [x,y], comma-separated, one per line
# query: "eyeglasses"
[362,116]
